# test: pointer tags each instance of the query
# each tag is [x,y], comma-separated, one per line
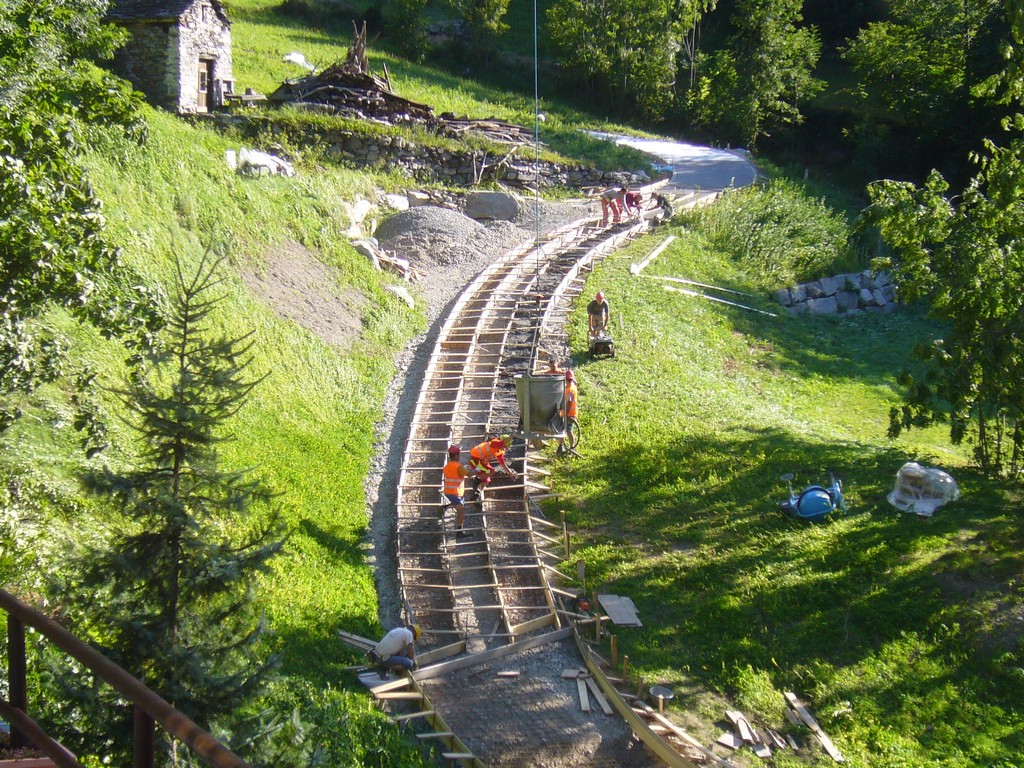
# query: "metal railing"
[150,709]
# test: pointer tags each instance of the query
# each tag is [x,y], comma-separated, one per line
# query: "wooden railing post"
[16,670]
[143,739]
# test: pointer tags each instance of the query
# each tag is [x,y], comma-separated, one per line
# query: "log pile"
[348,88]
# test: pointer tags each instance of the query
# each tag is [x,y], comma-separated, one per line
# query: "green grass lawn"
[901,633]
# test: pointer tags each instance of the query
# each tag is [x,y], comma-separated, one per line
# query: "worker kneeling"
[396,651]
[487,458]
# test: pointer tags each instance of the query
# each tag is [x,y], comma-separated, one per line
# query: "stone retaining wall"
[433,164]
[846,294]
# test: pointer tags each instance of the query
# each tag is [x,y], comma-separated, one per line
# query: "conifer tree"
[171,594]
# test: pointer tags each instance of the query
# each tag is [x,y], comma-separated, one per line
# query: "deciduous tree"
[757,82]
[965,256]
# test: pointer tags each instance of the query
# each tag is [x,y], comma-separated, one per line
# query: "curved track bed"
[484,598]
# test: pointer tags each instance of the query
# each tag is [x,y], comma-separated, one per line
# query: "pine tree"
[171,594]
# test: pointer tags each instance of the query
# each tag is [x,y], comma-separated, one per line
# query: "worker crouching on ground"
[570,408]
[455,474]
[632,203]
[486,458]
[396,651]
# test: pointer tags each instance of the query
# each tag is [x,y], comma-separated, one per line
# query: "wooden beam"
[808,718]
[437,670]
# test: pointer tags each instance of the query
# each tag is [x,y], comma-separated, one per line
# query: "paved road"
[694,166]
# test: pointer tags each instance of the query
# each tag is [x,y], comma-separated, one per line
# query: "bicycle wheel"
[572,438]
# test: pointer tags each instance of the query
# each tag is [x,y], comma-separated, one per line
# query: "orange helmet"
[454,450]
[569,376]
[600,296]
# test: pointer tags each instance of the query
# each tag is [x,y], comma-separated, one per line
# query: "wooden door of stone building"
[205,98]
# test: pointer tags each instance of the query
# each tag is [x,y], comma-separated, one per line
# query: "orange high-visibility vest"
[484,454]
[571,397]
[454,478]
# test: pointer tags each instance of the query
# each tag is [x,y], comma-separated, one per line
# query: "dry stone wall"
[434,164]
[847,294]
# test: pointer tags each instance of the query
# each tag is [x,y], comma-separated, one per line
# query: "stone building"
[179,52]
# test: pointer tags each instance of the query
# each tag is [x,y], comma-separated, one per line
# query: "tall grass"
[887,624]
[307,430]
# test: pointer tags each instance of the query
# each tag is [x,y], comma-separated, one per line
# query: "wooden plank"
[437,670]
[572,674]
[602,702]
[808,718]
[746,730]
[399,695]
[719,761]
[621,610]
[434,654]
[413,715]
[730,740]
[584,698]
[640,727]
[512,673]
[435,735]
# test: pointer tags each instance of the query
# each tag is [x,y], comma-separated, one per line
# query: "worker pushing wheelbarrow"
[598,315]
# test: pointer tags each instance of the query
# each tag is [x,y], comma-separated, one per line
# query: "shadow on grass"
[723,579]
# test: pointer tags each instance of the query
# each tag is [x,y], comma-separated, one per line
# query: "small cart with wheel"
[601,345]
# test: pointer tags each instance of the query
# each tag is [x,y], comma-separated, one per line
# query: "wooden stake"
[565,535]
[614,640]
[625,666]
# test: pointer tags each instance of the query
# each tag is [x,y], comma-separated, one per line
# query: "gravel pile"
[431,235]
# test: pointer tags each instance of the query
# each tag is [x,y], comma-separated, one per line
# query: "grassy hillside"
[308,429]
[903,632]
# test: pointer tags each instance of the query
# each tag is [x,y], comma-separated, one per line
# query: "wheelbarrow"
[602,345]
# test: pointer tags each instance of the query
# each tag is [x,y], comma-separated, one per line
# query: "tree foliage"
[52,250]
[630,49]
[965,256]
[921,64]
[486,18]
[757,82]
[171,586]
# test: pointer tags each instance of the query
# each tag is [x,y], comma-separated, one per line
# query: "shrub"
[777,232]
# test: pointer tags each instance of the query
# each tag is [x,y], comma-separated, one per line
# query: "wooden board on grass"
[808,718]
[621,610]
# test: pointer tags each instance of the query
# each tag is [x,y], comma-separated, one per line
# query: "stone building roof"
[157,10]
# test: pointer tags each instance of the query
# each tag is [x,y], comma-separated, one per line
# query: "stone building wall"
[433,164]
[202,35]
[847,294]
[146,62]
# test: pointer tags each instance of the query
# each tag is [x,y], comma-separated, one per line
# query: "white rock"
[403,294]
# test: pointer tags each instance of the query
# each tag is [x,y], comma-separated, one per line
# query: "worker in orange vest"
[455,474]
[569,406]
[487,457]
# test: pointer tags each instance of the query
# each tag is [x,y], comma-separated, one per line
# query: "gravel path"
[538,712]
[451,249]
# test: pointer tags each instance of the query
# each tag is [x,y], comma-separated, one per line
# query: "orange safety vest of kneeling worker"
[455,478]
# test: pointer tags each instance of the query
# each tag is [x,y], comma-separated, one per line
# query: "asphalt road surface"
[694,166]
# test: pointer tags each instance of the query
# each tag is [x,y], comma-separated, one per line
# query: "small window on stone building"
[205,10]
